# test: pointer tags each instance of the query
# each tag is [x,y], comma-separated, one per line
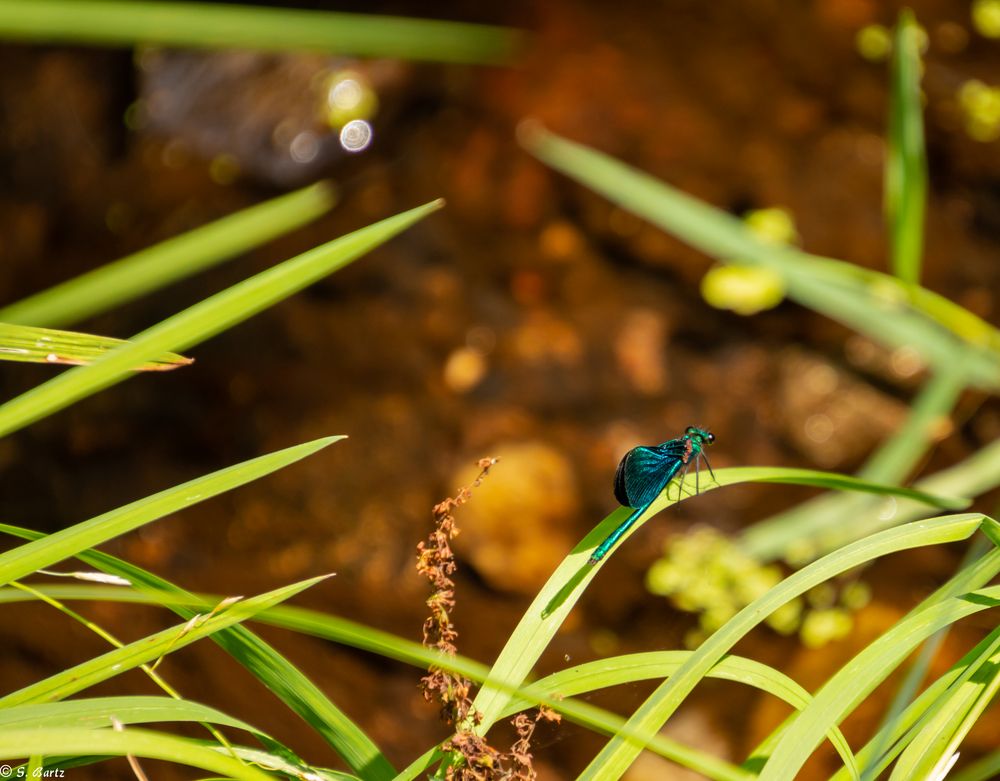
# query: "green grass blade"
[44,345]
[886,309]
[560,593]
[771,539]
[807,523]
[96,713]
[169,261]
[38,554]
[859,677]
[985,769]
[358,636]
[879,752]
[629,668]
[203,320]
[937,611]
[207,25]
[906,162]
[951,719]
[148,649]
[279,675]
[907,689]
[615,758]
[817,479]
[17,744]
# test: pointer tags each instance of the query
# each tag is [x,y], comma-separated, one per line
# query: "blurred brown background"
[529,320]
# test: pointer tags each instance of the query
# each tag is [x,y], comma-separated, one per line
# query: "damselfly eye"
[710,438]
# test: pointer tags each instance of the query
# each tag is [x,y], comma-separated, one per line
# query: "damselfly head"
[703,436]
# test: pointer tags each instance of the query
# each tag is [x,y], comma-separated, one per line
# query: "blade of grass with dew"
[615,758]
[148,649]
[38,554]
[906,161]
[859,677]
[169,261]
[884,308]
[951,721]
[272,669]
[275,673]
[44,345]
[15,744]
[879,752]
[215,26]
[205,319]
[558,596]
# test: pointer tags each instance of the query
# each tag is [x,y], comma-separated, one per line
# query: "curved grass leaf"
[952,718]
[879,752]
[53,548]
[148,649]
[553,603]
[551,690]
[43,345]
[97,712]
[203,320]
[859,677]
[169,261]
[818,523]
[615,758]
[662,664]
[906,163]
[279,675]
[985,769]
[886,309]
[16,744]
[122,22]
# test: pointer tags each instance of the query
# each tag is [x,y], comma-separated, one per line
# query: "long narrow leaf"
[203,320]
[96,713]
[147,649]
[279,675]
[36,555]
[16,744]
[889,311]
[122,22]
[894,737]
[44,345]
[950,722]
[906,163]
[560,593]
[169,261]
[615,758]
[855,680]
[820,521]
[289,684]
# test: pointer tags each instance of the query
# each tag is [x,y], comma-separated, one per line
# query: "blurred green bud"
[873,42]
[986,17]
[772,226]
[786,619]
[823,626]
[745,290]
[980,104]
[856,595]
